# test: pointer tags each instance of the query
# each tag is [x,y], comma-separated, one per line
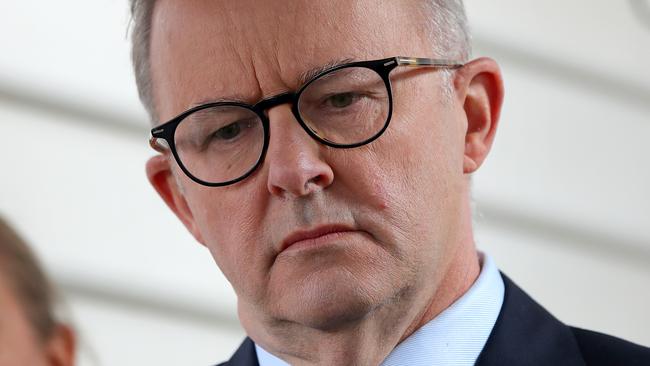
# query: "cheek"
[412,176]
[420,153]
[230,226]
[433,160]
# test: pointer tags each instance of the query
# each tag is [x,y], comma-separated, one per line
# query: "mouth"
[318,236]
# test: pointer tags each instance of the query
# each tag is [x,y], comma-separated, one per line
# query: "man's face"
[394,204]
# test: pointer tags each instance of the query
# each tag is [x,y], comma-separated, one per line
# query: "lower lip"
[323,240]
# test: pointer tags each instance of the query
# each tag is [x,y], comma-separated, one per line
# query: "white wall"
[562,202]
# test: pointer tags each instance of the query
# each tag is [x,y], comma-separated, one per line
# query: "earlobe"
[160,175]
[480,87]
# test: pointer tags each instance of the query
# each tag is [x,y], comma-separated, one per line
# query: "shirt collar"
[454,337]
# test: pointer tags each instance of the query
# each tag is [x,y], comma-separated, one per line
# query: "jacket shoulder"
[602,349]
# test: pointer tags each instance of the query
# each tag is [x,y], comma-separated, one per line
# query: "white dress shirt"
[455,337]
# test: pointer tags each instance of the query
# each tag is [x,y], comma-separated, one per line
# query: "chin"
[335,286]
[333,299]
[339,308]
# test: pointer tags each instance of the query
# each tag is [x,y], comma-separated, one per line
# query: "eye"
[342,100]
[228,132]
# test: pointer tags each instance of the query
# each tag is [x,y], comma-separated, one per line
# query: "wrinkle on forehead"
[301,80]
[247,50]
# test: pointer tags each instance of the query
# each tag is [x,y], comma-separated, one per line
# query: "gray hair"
[447,29]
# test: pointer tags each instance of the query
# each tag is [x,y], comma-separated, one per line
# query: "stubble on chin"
[346,286]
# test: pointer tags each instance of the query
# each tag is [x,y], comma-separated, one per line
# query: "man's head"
[28,326]
[399,205]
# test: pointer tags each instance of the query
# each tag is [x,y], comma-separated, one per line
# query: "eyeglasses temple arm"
[419,61]
[156,145]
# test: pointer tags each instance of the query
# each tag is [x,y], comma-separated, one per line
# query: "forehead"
[248,49]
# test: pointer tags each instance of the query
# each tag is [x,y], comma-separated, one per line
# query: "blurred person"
[30,334]
[322,151]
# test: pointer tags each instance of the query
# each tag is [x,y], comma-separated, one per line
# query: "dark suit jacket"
[525,334]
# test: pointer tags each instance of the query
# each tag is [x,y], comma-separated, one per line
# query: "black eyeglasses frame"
[382,67]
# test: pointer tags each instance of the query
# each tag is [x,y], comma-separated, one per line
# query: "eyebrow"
[306,76]
[236,98]
[303,78]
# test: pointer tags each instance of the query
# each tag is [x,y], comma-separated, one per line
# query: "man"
[322,151]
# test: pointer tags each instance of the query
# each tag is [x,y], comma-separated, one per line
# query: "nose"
[295,163]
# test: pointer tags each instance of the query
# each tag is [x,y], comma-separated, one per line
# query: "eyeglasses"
[346,106]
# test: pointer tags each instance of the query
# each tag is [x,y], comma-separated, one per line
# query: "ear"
[161,177]
[479,86]
[60,349]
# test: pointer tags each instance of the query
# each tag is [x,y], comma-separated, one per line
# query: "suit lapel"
[525,334]
[244,356]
